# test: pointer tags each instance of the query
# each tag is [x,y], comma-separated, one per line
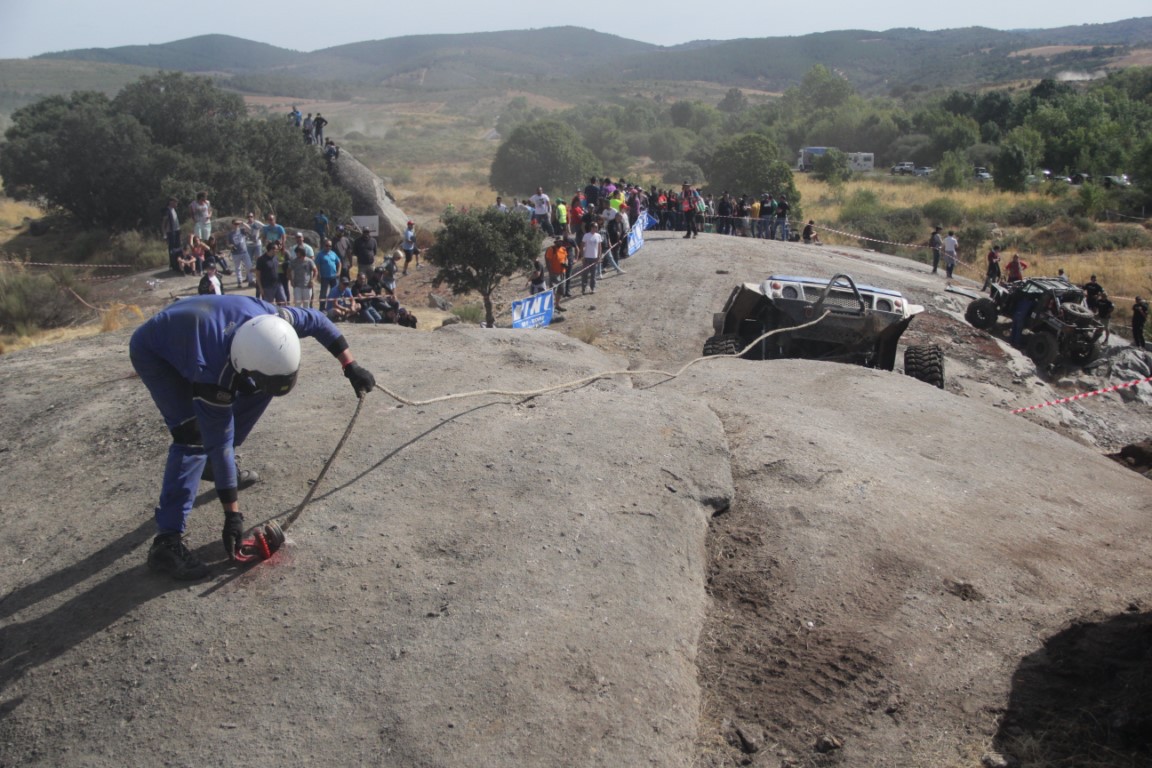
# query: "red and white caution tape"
[1083,395]
[871,239]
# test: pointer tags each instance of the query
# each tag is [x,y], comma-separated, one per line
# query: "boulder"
[370,198]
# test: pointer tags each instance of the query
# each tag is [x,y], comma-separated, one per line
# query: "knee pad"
[188,433]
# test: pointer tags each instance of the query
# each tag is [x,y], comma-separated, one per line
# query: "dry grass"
[12,215]
[12,343]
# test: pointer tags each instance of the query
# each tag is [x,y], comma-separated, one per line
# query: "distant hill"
[874,62]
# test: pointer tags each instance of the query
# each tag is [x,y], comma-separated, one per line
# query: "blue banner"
[635,238]
[534,311]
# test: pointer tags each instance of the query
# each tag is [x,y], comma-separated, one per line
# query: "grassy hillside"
[874,62]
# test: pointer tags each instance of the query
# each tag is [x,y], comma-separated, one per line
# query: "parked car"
[924,171]
[1117,181]
[983,175]
[906,168]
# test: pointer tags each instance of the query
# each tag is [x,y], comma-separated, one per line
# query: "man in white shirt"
[542,210]
[590,250]
[951,252]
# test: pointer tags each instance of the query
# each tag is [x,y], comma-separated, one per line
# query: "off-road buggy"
[863,326]
[1056,326]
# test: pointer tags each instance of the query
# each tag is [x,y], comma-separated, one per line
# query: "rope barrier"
[595,377]
[873,239]
[73,266]
[1083,395]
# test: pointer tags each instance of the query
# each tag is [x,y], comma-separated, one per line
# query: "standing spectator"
[210,283]
[1139,318]
[364,249]
[992,273]
[1104,308]
[592,193]
[295,117]
[238,244]
[309,137]
[252,231]
[689,205]
[617,232]
[1015,269]
[387,274]
[556,257]
[318,124]
[936,243]
[1092,291]
[951,249]
[320,224]
[170,227]
[303,278]
[590,253]
[272,232]
[201,210]
[408,244]
[724,215]
[542,210]
[343,247]
[328,267]
[782,209]
[767,216]
[500,205]
[331,151]
[267,283]
[561,212]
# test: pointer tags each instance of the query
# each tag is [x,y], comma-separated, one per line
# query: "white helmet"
[267,349]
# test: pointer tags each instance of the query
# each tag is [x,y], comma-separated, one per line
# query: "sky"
[31,27]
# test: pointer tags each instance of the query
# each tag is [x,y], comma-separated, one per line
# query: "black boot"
[169,555]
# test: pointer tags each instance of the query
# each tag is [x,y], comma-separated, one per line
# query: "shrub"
[1033,213]
[862,204]
[943,211]
[31,302]
[470,313]
[134,248]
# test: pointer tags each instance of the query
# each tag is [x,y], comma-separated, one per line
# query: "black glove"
[233,533]
[363,382]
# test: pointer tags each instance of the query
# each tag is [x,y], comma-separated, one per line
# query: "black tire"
[982,314]
[724,344]
[1043,348]
[926,364]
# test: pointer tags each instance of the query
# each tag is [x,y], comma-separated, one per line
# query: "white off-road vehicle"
[863,325]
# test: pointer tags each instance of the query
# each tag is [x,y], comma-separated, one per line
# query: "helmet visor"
[277,386]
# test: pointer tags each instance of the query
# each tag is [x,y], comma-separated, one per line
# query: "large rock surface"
[370,198]
[606,575]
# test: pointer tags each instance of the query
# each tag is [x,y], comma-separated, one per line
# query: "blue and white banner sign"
[635,238]
[534,311]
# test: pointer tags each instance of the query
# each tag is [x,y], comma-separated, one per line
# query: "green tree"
[1011,168]
[742,164]
[734,101]
[476,251]
[832,167]
[542,154]
[953,171]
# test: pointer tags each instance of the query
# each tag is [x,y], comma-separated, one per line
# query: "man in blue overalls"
[212,365]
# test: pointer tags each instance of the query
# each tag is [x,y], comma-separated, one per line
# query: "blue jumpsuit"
[183,357]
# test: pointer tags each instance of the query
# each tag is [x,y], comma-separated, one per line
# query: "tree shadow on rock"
[1085,698]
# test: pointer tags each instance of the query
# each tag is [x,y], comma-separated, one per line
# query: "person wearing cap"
[210,282]
[341,305]
[212,365]
[408,244]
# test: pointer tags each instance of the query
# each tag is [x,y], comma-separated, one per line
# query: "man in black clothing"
[1092,291]
[1139,317]
[364,248]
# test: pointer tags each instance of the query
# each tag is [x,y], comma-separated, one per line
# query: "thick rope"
[319,478]
[595,377]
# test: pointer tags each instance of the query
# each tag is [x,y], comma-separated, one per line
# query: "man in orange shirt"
[556,257]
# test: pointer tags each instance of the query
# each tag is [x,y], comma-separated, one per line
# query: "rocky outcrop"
[370,198]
